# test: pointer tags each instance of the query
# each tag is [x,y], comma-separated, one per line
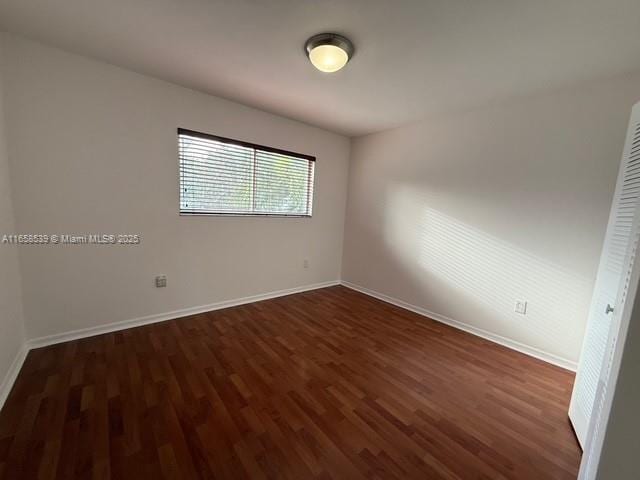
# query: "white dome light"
[329,52]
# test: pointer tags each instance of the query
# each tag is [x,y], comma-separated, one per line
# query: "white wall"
[93,150]
[11,320]
[463,215]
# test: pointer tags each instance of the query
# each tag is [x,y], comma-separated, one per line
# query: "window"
[219,176]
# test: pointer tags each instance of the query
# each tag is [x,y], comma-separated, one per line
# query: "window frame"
[255,146]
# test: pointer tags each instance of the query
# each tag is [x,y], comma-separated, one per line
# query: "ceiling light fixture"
[329,52]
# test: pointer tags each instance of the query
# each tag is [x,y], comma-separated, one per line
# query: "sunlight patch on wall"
[450,261]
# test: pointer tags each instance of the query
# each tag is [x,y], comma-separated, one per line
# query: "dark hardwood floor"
[328,384]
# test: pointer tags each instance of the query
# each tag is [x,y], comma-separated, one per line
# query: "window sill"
[213,214]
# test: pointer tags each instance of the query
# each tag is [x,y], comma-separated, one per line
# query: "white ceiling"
[414,58]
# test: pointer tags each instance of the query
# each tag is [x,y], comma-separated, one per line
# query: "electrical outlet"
[305,263]
[161,281]
[521,307]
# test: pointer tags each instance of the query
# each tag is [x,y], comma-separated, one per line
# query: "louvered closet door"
[620,245]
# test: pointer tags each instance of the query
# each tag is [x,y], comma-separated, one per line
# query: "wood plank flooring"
[328,384]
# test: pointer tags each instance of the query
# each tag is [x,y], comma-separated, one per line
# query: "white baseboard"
[507,342]
[12,374]
[161,317]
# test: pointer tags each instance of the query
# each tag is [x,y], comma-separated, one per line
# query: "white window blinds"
[221,176]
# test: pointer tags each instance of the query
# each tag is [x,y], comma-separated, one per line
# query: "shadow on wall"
[468,275]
